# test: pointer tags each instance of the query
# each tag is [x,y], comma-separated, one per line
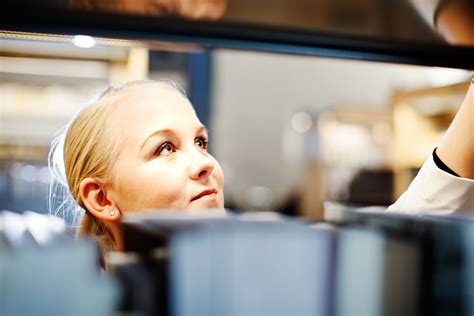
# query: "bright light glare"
[83,41]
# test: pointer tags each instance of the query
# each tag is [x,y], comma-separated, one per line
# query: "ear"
[94,197]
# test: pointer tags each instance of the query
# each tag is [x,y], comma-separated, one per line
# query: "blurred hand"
[189,9]
[455,22]
[199,9]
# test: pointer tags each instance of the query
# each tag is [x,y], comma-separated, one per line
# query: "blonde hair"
[88,151]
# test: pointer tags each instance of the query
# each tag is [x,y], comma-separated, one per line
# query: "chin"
[204,205]
[212,212]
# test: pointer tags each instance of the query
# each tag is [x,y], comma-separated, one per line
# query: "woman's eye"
[201,142]
[164,149]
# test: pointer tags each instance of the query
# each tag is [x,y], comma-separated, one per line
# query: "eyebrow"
[168,131]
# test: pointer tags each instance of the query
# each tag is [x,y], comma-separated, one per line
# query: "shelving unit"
[44,81]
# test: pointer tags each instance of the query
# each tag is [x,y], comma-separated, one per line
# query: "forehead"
[153,104]
[146,109]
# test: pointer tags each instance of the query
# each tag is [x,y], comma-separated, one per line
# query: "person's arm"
[445,183]
[456,149]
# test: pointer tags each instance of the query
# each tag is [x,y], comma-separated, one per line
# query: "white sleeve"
[436,191]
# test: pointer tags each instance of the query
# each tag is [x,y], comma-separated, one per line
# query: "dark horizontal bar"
[237,36]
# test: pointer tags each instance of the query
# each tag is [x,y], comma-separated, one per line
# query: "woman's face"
[163,160]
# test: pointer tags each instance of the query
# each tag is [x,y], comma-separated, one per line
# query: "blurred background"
[290,131]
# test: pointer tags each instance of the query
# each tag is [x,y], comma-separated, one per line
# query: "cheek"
[151,186]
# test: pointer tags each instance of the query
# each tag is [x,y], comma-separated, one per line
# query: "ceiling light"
[83,41]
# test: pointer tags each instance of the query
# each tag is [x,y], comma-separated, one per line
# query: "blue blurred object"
[43,271]
[251,268]
[359,263]
[445,248]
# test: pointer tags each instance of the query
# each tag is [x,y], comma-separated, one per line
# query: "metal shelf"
[228,34]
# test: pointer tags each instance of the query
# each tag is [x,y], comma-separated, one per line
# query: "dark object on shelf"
[371,187]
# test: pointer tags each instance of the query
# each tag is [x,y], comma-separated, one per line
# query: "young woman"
[141,146]
[138,146]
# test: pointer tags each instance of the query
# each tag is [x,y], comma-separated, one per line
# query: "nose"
[201,167]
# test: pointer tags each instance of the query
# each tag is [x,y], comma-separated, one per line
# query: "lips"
[204,193]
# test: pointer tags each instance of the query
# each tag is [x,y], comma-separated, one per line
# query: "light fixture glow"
[83,41]
[301,122]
